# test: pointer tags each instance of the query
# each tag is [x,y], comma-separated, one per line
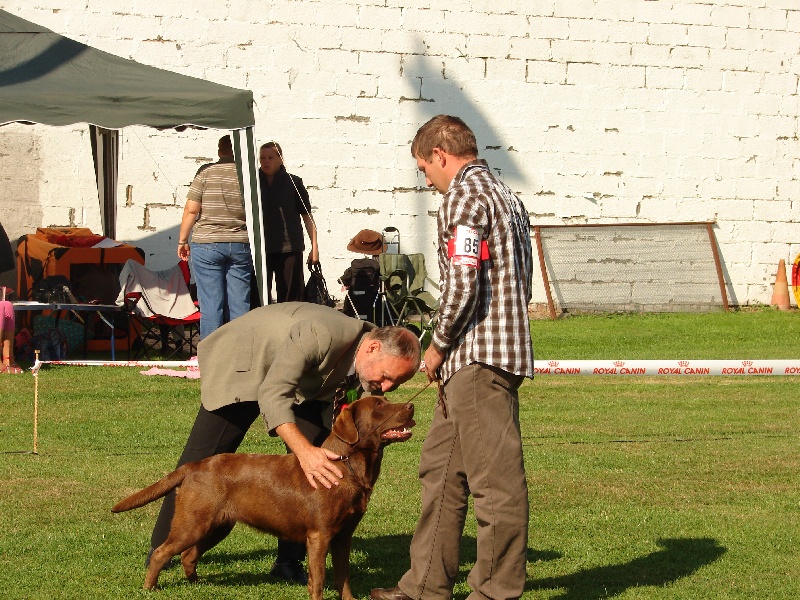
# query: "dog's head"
[374,416]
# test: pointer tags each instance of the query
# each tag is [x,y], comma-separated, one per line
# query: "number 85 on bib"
[467,247]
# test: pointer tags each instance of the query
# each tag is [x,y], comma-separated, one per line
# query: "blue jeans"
[222,273]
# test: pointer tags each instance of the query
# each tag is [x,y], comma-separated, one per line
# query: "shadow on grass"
[679,558]
[374,562]
[381,561]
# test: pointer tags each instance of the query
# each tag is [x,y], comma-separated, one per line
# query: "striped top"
[222,218]
[483,311]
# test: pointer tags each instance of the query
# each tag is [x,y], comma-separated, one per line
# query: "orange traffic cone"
[780,292]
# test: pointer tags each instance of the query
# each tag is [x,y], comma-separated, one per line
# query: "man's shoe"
[290,570]
[394,593]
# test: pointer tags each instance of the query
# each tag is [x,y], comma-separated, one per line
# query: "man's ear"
[345,427]
[441,155]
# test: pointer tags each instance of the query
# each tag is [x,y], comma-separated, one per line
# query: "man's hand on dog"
[315,462]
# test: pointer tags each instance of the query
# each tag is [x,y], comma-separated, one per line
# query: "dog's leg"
[317,548]
[191,556]
[193,521]
[158,559]
[340,557]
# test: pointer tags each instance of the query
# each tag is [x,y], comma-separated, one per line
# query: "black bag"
[316,290]
[51,344]
[52,290]
[363,274]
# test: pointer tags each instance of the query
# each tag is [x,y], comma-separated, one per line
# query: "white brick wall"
[592,110]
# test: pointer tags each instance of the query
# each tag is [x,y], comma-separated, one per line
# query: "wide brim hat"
[367,241]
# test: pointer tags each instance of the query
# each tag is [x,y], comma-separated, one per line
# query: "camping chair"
[365,298]
[166,335]
[404,277]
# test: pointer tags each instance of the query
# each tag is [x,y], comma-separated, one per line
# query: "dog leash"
[422,390]
[440,393]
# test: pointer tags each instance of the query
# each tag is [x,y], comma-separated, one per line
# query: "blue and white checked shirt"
[483,312]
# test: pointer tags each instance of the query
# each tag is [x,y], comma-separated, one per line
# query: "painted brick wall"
[592,110]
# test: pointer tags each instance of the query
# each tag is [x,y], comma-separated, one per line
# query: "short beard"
[367,387]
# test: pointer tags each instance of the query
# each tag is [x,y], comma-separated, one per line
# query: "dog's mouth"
[399,434]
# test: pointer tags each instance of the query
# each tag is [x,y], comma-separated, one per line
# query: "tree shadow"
[679,558]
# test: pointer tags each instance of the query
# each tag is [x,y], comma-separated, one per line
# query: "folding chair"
[404,277]
[167,336]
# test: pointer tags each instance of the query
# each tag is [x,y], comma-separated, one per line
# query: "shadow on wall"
[160,248]
[437,91]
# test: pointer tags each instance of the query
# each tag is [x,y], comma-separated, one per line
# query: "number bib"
[466,247]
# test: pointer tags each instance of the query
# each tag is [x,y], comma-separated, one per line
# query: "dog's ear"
[345,426]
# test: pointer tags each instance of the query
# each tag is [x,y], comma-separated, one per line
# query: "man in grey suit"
[286,362]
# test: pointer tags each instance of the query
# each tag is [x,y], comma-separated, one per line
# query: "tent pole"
[105,153]
[246,157]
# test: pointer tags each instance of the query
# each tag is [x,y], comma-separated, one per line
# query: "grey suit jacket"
[279,355]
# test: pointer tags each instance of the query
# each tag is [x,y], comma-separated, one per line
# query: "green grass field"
[661,487]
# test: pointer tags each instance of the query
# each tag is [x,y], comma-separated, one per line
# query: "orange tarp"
[39,257]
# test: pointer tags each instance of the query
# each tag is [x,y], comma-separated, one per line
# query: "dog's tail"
[159,489]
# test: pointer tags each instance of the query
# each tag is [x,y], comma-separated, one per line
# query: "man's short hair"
[225,144]
[449,133]
[398,341]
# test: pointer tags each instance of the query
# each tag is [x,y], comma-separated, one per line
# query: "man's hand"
[315,462]
[433,360]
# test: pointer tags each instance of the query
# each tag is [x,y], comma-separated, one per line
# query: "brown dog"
[272,494]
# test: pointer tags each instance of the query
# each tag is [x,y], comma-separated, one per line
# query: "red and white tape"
[116,363]
[666,367]
[553,367]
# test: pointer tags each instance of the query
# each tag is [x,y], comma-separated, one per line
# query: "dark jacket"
[281,205]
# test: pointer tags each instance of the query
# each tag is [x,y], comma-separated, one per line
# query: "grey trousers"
[476,449]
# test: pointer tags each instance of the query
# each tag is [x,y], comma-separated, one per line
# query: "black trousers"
[287,270]
[223,430]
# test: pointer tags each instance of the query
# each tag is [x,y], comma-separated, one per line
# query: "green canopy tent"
[50,79]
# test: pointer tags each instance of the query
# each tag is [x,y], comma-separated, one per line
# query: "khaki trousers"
[477,449]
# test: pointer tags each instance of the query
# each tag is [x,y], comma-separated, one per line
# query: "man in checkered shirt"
[481,351]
